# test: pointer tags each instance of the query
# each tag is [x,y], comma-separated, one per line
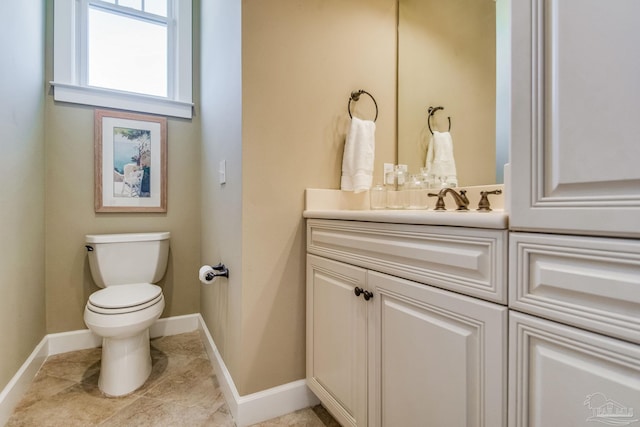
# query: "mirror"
[447,57]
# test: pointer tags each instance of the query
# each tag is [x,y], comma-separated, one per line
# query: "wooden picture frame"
[130,162]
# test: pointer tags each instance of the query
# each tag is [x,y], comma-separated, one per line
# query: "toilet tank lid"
[127,237]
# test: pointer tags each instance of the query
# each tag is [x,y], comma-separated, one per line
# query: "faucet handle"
[464,201]
[439,203]
[483,204]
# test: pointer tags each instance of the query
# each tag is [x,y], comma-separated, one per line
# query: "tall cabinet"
[574,248]
[575,116]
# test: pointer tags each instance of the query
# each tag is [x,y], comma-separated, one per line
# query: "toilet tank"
[121,259]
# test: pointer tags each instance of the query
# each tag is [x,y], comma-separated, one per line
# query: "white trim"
[68,70]
[274,402]
[246,410]
[227,386]
[99,97]
[19,384]
[175,325]
[259,406]
[64,342]
[82,339]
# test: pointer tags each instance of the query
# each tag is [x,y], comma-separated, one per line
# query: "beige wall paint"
[70,216]
[300,61]
[221,76]
[22,320]
[447,57]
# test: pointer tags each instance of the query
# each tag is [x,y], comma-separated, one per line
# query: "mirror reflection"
[447,58]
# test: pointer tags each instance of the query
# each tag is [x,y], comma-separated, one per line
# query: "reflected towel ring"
[355,96]
[432,111]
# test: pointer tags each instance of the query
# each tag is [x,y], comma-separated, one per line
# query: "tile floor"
[182,390]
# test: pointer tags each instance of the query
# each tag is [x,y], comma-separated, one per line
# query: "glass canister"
[395,184]
[378,194]
[428,178]
[416,192]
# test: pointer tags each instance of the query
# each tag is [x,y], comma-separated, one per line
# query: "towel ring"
[355,96]
[432,111]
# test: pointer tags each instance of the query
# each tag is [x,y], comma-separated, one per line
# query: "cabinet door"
[575,103]
[336,338]
[564,376]
[436,358]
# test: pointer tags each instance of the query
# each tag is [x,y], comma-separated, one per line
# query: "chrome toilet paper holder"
[219,270]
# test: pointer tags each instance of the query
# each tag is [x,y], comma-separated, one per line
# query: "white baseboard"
[19,384]
[246,410]
[175,325]
[274,402]
[260,406]
[63,342]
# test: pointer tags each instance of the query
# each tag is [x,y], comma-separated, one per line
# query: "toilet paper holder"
[219,270]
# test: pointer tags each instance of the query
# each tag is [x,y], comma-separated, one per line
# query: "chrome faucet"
[460,198]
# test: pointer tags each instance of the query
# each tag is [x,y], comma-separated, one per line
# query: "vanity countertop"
[336,204]
[497,219]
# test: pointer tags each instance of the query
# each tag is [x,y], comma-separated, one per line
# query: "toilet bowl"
[125,266]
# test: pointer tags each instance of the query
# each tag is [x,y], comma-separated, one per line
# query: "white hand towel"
[359,151]
[440,162]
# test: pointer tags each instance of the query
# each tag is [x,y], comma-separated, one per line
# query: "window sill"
[121,100]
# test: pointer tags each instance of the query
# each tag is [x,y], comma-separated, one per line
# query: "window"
[127,54]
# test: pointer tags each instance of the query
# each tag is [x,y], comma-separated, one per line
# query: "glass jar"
[428,179]
[395,185]
[378,195]
[416,193]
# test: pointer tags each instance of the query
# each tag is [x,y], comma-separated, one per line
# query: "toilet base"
[125,365]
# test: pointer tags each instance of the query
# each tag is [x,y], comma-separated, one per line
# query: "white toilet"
[126,266]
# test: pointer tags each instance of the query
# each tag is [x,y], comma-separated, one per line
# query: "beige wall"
[300,61]
[447,57]
[70,214]
[22,320]
[221,76]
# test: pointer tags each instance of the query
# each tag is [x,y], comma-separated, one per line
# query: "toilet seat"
[124,298]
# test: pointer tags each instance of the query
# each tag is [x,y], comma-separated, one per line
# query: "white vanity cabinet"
[337,338]
[411,354]
[574,263]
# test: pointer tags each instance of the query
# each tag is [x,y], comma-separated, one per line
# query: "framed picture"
[130,162]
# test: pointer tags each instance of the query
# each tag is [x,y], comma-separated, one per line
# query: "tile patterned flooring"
[182,390]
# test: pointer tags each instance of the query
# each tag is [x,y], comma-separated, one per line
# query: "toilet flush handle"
[89,248]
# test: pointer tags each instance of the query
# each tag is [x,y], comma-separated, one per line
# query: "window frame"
[69,62]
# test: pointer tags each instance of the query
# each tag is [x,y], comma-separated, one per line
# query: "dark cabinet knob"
[359,291]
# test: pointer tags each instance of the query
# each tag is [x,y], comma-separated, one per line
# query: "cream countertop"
[336,204]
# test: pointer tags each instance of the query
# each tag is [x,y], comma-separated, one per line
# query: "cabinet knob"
[359,291]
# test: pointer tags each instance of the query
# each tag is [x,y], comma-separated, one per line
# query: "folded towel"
[440,162]
[357,161]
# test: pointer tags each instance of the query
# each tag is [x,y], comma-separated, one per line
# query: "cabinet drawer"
[466,260]
[589,282]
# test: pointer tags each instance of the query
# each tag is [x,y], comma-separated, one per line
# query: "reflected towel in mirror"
[440,163]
